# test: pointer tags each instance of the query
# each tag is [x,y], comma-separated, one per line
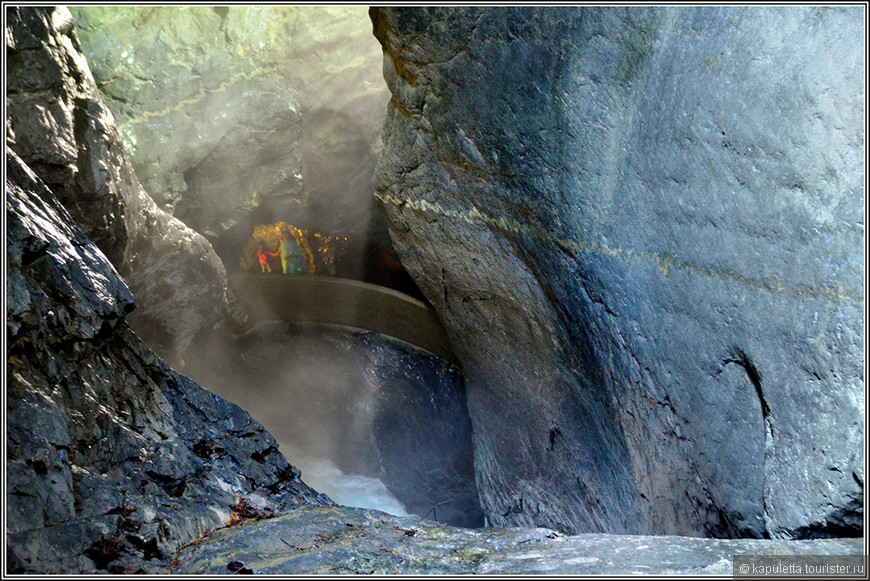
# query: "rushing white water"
[349,489]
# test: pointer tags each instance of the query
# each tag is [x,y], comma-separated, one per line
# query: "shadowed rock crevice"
[741,359]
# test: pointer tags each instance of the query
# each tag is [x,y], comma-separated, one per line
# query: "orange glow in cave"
[320,252]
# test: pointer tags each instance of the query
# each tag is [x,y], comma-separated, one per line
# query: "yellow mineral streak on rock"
[666,263]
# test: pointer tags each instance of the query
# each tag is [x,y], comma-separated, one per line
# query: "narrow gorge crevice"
[426,290]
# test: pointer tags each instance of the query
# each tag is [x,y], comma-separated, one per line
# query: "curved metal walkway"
[343,302]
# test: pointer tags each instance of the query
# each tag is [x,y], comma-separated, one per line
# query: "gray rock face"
[66,135]
[114,460]
[244,115]
[643,228]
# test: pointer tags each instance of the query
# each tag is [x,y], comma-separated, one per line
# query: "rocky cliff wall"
[113,460]
[236,116]
[643,229]
[62,130]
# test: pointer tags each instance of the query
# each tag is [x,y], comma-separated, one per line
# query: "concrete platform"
[343,302]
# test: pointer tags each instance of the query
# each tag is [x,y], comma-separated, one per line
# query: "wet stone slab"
[342,540]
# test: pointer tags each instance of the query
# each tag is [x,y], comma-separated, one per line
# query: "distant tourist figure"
[291,256]
[263,255]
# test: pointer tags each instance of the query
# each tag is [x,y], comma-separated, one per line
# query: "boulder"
[643,228]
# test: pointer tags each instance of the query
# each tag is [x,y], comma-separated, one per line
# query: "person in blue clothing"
[291,256]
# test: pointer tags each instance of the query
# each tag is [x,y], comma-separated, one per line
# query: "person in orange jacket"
[263,255]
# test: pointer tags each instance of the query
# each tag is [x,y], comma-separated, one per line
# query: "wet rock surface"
[63,131]
[643,229]
[341,541]
[113,460]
